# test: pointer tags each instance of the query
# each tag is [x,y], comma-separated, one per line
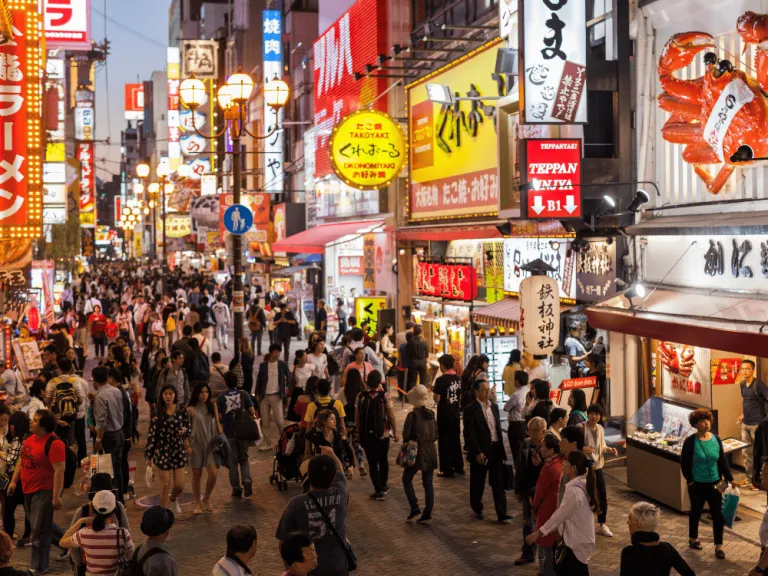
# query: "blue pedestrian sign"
[238,219]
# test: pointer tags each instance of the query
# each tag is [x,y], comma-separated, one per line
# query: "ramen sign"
[367,149]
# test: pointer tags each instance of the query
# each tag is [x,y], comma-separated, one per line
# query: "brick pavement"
[455,544]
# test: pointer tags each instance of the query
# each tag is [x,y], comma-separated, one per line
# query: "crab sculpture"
[722,116]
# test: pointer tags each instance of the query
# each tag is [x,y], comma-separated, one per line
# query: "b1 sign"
[554,166]
[68,24]
[554,63]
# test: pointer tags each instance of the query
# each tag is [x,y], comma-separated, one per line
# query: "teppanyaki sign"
[451,281]
[554,167]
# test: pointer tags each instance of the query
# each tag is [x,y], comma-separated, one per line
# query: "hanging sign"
[350,265]
[272,29]
[539,315]
[199,57]
[367,149]
[554,167]
[554,64]
[87,184]
[451,281]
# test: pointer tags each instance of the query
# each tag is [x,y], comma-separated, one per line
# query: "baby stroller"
[288,453]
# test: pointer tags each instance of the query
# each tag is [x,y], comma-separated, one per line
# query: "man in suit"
[485,451]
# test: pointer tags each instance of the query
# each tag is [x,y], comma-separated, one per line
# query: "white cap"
[104,502]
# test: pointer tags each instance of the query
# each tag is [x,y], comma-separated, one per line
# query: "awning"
[446,233]
[718,224]
[708,319]
[504,313]
[315,239]
[290,271]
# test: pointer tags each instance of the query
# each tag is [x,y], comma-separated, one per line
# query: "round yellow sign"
[368,149]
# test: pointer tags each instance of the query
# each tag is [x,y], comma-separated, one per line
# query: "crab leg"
[682,133]
[686,110]
[753,29]
[680,50]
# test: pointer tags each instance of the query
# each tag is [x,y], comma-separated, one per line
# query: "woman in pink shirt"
[358,364]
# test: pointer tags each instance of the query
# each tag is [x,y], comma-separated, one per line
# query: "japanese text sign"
[273,68]
[350,265]
[200,57]
[554,63]
[451,281]
[67,24]
[685,373]
[355,39]
[596,271]
[555,166]
[367,149]
[453,162]
[87,184]
[539,315]
[726,370]
[174,82]
[554,251]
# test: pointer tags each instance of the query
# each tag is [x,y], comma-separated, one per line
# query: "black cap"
[156,521]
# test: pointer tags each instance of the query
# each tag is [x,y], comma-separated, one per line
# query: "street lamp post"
[142,172]
[162,171]
[232,97]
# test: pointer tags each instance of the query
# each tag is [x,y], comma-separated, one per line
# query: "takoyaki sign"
[554,62]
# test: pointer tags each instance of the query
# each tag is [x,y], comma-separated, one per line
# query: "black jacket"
[686,461]
[477,436]
[759,451]
[417,350]
[526,474]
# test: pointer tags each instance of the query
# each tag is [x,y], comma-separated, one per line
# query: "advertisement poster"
[520,251]
[685,373]
[493,260]
[453,161]
[726,371]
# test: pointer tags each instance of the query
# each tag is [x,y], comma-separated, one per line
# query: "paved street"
[456,543]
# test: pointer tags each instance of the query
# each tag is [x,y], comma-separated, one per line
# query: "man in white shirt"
[271,389]
[221,313]
[514,408]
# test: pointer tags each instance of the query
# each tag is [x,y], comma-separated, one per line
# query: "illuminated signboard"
[134,101]
[174,129]
[67,24]
[273,68]
[84,151]
[554,166]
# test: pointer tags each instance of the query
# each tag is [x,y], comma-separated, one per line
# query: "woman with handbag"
[18,424]
[704,464]
[545,500]
[205,427]
[574,519]
[420,427]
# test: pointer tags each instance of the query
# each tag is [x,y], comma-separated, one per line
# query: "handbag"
[351,558]
[244,427]
[409,451]
[124,564]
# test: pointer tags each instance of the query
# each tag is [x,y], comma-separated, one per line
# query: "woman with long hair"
[204,417]
[97,323]
[148,357]
[348,396]
[575,518]
[317,356]
[578,404]
[324,432]
[80,341]
[102,541]
[508,375]
[467,383]
[18,427]
[302,371]
[168,446]
[150,383]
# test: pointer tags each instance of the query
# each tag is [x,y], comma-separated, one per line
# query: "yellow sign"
[55,152]
[367,308]
[137,247]
[453,169]
[179,226]
[367,149]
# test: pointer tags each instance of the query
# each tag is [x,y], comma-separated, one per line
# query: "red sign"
[87,184]
[576,383]
[355,39]
[67,24]
[350,265]
[14,75]
[727,371]
[554,166]
[452,281]
[134,97]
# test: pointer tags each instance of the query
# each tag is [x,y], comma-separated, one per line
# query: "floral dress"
[165,441]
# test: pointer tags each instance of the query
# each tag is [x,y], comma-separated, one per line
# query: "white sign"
[539,315]
[554,89]
[193,144]
[54,214]
[199,57]
[507,22]
[190,120]
[67,24]
[553,251]
[735,263]
[54,173]
[54,194]
[273,68]
[54,68]
[685,374]
[731,100]
[84,124]
[208,184]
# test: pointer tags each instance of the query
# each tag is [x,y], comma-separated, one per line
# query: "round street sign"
[238,219]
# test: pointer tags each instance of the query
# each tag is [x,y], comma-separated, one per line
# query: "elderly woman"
[421,427]
[648,554]
[704,464]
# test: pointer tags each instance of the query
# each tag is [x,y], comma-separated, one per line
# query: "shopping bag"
[101,464]
[149,477]
[730,505]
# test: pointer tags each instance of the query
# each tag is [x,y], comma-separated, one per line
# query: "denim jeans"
[239,467]
[222,335]
[39,509]
[429,489]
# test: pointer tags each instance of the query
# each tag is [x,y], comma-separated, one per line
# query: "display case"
[655,436]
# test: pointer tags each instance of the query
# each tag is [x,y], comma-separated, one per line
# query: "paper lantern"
[539,314]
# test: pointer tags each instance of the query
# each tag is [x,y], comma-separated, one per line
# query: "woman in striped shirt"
[101,540]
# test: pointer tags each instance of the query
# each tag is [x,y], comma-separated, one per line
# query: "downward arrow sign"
[538,205]
[569,205]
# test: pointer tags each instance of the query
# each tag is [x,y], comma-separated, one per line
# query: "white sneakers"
[176,507]
[603,530]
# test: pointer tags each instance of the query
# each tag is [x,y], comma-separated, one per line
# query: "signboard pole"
[237,239]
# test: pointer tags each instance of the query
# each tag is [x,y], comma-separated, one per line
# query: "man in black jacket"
[485,451]
[447,393]
[527,468]
[418,352]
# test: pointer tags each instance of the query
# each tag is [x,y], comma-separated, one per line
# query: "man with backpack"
[271,388]
[64,397]
[375,420]
[41,470]
[153,558]
[176,376]
[199,367]
[231,404]
[257,319]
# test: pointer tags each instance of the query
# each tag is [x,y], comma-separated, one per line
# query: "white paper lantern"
[540,314]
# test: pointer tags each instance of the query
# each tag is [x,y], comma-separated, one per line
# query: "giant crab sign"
[722,116]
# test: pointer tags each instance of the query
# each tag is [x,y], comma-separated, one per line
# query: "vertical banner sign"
[355,39]
[554,166]
[539,315]
[554,62]
[21,165]
[87,185]
[273,68]
[67,24]
[369,262]
[174,129]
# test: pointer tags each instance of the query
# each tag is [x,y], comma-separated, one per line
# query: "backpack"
[373,415]
[65,401]
[70,460]
[199,368]
[133,566]
[254,324]
[333,365]
[170,324]
[329,406]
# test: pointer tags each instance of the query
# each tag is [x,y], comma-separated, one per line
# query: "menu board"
[497,349]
